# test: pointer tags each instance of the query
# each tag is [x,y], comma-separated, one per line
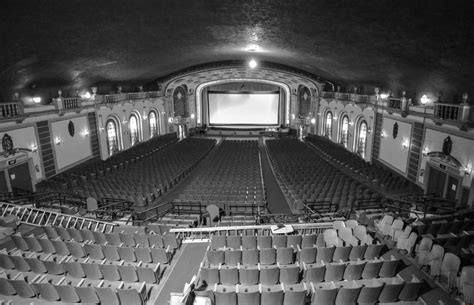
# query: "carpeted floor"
[277,203]
[186,266]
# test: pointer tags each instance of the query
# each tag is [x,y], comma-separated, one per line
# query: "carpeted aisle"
[277,203]
[186,266]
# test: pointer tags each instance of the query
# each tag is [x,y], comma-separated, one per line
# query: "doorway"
[436,182]
[20,178]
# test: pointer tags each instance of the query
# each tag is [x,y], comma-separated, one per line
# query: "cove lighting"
[252,63]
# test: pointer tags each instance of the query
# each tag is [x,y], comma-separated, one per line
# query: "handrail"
[295,226]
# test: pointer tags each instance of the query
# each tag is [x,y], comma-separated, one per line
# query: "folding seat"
[449,269]
[149,275]
[210,275]
[285,256]
[279,241]
[74,269]
[20,263]
[23,288]
[267,256]
[33,244]
[360,232]
[47,245]
[215,257]
[75,234]
[338,224]
[357,252]
[144,255]
[389,268]
[352,223]
[5,262]
[225,295]
[308,240]
[411,290]
[289,274]
[347,295]
[107,295]
[87,235]
[294,294]
[269,275]
[6,288]
[232,257]
[307,255]
[170,240]
[369,294]
[127,254]
[341,254]
[314,273]
[111,252]
[250,256]
[155,240]
[55,266]
[407,244]
[50,232]
[92,271]
[76,249]
[249,242]
[325,254]
[99,238]
[248,295]
[334,272]
[326,296]
[373,251]
[354,271]
[20,242]
[331,239]
[141,240]
[385,224]
[110,272]
[63,233]
[233,242]
[128,273]
[271,296]
[229,275]
[47,291]
[94,251]
[390,292]
[264,242]
[87,294]
[36,265]
[127,239]
[372,269]
[424,250]
[67,293]
[397,225]
[294,241]
[249,275]
[113,239]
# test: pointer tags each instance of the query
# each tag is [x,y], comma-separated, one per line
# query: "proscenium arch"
[201,86]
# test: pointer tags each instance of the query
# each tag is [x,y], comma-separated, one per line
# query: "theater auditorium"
[217,152]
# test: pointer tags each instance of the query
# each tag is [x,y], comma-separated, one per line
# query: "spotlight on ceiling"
[252,63]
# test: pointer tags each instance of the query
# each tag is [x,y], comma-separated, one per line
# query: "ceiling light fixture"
[252,63]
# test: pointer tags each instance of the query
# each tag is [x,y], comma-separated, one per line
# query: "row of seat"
[83,268]
[362,292]
[94,251]
[295,273]
[72,291]
[117,239]
[288,255]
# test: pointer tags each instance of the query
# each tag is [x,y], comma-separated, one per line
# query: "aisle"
[186,266]
[277,203]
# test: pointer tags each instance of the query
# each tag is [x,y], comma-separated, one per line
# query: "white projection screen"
[243,108]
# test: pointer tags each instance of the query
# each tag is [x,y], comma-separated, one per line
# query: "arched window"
[362,139]
[328,125]
[153,124]
[112,139]
[134,133]
[344,130]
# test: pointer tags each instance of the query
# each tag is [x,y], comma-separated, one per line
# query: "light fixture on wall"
[293,116]
[170,120]
[384,134]
[369,129]
[36,99]
[101,123]
[351,123]
[85,132]
[57,141]
[406,144]
[384,95]
[192,116]
[34,147]
[86,95]
[313,121]
[425,151]
[468,170]
[425,99]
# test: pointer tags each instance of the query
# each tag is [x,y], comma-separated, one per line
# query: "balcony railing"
[394,103]
[113,98]
[71,102]
[452,112]
[11,110]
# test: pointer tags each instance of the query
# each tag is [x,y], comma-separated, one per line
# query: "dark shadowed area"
[419,46]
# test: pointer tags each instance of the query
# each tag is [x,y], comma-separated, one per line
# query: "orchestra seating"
[140,180]
[385,178]
[305,177]
[233,176]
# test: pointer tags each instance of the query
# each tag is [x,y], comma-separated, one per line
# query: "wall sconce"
[468,170]
[313,121]
[292,116]
[144,115]
[124,121]
[36,99]
[369,129]
[335,118]
[425,151]
[384,134]
[170,120]
[86,95]
[57,140]
[425,100]
[34,147]
[101,123]
[351,123]
[192,115]
[85,132]
[384,95]
[405,144]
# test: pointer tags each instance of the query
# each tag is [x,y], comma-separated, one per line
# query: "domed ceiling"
[414,45]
